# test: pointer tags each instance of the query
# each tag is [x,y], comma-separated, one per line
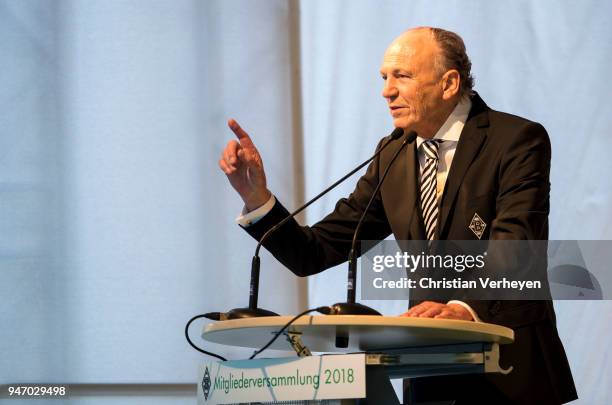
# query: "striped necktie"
[429,201]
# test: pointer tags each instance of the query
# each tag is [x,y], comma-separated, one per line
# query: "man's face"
[412,85]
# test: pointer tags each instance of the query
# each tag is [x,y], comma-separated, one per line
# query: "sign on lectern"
[312,378]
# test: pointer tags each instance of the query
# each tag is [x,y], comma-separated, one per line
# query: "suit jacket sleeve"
[524,187]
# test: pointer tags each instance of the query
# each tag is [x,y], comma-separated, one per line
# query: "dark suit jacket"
[500,171]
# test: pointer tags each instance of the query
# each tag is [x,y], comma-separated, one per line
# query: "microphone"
[351,307]
[252,310]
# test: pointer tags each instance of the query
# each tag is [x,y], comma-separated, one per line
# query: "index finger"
[243,137]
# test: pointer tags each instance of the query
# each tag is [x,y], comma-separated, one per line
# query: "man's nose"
[389,89]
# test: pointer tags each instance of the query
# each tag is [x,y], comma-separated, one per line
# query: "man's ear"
[451,81]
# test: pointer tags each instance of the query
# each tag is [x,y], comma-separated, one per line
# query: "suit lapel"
[470,141]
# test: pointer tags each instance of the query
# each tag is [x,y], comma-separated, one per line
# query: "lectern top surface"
[364,333]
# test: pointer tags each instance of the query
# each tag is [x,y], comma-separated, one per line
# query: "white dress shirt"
[449,132]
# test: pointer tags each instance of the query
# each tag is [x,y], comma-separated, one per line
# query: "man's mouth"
[395,109]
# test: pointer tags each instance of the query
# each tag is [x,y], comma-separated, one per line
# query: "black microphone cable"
[322,310]
[210,315]
[219,316]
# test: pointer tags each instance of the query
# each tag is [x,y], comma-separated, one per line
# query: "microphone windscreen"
[397,132]
[411,136]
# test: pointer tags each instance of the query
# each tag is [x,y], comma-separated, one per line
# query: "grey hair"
[454,56]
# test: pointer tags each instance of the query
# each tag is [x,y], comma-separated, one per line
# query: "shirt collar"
[452,127]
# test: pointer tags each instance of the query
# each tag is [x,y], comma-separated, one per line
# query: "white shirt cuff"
[249,218]
[466,306]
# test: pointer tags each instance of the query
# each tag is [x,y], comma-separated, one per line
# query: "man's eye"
[384,77]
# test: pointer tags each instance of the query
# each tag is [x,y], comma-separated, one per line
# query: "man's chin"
[404,124]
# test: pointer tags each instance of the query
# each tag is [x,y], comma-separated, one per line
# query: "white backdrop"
[115,223]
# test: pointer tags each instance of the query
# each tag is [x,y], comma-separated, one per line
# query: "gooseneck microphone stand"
[252,310]
[350,307]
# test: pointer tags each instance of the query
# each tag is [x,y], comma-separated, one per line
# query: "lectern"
[358,355]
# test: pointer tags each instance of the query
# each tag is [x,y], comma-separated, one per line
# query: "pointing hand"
[242,164]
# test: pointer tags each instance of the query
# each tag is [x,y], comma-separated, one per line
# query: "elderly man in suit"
[469,163]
